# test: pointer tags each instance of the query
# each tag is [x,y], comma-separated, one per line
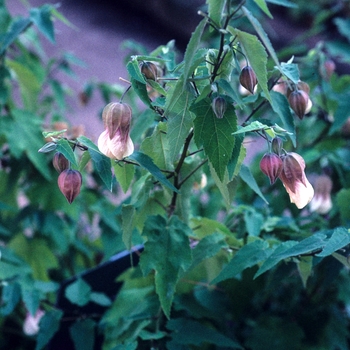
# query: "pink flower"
[294,180]
[271,165]
[31,323]
[115,141]
[322,201]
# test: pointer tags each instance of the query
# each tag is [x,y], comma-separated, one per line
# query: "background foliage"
[227,260]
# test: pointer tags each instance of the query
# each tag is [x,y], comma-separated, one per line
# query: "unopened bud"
[271,165]
[298,101]
[60,162]
[116,115]
[248,79]
[69,182]
[149,70]
[219,106]
[276,145]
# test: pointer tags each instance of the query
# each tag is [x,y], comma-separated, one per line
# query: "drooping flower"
[69,182]
[114,141]
[271,165]
[294,180]
[322,201]
[31,322]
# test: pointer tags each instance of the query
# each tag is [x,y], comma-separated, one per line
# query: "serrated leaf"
[215,134]
[180,118]
[83,334]
[291,71]
[134,70]
[17,27]
[191,50]
[124,174]
[339,239]
[248,256]
[128,224]
[263,36]
[238,156]
[307,245]
[263,7]
[248,178]
[253,126]
[167,251]
[48,326]
[78,292]
[65,148]
[146,162]
[280,105]
[215,10]
[102,164]
[275,257]
[42,18]
[157,146]
[222,185]
[256,55]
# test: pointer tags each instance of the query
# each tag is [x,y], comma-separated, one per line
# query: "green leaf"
[65,148]
[78,292]
[128,224]
[275,257]
[17,27]
[10,296]
[257,56]
[253,126]
[180,118]
[339,239]
[101,163]
[341,114]
[285,3]
[36,253]
[305,268]
[49,325]
[291,71]
[134,70]
[141,91]
[42,18]
[215,134]
[307,245]
[263,36]
[147,163]
[83,334]
[343,200]
[263,6]
[280,105]
[124,174]
[238,156]
[248,256]
[167,251]
[208,247]
[100,299]
[190,332]
[248,178]
[191,50]
[222,185]
[215,10]
[253,221]
[157,146]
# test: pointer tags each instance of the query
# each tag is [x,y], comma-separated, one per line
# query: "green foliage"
[227,261]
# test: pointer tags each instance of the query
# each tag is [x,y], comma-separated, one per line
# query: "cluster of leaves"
[226,261]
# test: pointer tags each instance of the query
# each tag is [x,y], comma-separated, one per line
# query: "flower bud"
[248,79]
[31,323]
[69,182]
[219,106]
[117,115]
[60,162]
[271,165]
[298,101]
[149,70]
[276,145]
